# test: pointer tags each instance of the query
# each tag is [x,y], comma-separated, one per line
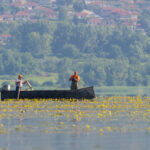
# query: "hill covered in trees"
[102,55]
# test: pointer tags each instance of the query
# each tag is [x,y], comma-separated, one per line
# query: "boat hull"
[84,93]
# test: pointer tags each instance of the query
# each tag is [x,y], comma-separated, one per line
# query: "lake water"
[107,123]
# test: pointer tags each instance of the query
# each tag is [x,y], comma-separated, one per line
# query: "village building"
[22,15]
[97,12]
[96,21]
[84,14]
[4,38]
[7,18]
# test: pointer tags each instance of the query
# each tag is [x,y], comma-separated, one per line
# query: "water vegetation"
[103,115]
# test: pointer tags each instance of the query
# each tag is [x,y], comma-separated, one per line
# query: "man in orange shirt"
[75,79]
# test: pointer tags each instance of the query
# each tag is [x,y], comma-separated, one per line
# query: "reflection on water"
[104,124]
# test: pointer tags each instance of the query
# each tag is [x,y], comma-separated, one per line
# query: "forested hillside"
[103,55]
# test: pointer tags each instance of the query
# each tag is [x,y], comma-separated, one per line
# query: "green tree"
[79,5]
[93,74]
[117,73]
[1,65]
[70,50]
[62,13]
[136,49]
[3,8]
[38,45]
[63,69]
[62,35]
[135,78]
[115,52]
[64,2]
[29,64]
[12,62]
[60,2]
[14,10]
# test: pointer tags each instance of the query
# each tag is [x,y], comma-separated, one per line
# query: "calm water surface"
[108,123]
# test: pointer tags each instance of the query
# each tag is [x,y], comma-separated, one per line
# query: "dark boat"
[84,93]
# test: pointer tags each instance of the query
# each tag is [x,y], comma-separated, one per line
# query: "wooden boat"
[84,93]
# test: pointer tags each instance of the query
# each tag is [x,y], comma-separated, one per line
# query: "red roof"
[138,24]
[96,3]
[129,1]
[45,9]
[120,11]
[32,4]
[134,13]
[5,35]
[116,10]
[95,20]
[48,12]
[132,6]
[51,15]
[127,24]
[140,2]
[7,16]
[108,8]
[17,4]
[82,14]
[135,19]
[22,13]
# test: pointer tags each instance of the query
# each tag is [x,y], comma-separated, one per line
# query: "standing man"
[20,82]
[74,80]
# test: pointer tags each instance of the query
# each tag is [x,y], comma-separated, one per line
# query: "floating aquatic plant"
[105,114]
